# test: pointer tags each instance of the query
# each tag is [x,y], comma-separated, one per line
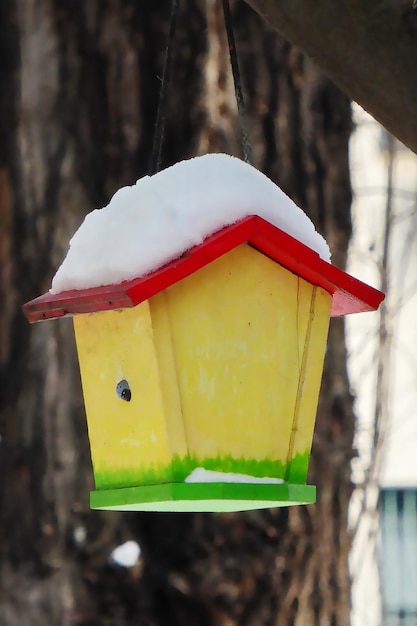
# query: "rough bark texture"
[78,96]
[368,48]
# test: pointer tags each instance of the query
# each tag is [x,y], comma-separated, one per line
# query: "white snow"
[161,216]
[126,555]
[201,475]
[80,534]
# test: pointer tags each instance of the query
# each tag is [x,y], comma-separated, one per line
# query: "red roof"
[349,294]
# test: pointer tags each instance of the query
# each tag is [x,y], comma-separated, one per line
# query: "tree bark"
[369,49]
[77,111]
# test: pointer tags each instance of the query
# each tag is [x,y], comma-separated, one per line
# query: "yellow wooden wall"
[225,363]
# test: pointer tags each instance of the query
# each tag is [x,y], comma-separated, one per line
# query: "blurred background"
[383,376]
[79,87]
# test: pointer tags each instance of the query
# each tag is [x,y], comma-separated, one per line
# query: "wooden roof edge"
[350,295]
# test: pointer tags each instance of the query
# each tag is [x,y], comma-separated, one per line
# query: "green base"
[202,497]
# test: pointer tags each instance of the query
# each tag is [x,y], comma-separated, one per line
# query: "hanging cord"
[159,133]
[247,149]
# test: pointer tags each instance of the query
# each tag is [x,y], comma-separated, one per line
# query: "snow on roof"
[160,217]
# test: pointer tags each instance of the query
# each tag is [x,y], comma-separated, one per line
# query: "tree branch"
[368,48]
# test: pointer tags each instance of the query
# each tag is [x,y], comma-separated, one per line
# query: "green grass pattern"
[297,469]
[180,468]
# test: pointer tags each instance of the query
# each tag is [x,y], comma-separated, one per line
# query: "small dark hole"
[126,395]
[123,390]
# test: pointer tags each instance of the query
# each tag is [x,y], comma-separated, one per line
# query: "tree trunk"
[368,48]
[79,93]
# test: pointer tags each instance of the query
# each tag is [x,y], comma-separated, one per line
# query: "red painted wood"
[349,294]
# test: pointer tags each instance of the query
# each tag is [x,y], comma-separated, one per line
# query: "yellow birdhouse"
[201,379]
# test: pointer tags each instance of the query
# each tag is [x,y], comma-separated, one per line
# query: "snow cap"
[160,217]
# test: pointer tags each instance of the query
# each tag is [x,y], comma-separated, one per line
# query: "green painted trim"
[253,467]
[298,468]
[202,497]
[180,468]
[107,478]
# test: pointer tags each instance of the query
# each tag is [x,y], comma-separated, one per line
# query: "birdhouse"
[201,379]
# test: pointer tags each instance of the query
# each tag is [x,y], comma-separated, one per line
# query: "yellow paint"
[116,345]
[311,372]
[225,363]
[168,375]
[238,330]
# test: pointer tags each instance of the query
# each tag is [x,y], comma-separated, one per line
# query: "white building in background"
[383,363]
[398,555]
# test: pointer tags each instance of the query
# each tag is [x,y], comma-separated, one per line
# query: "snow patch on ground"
[126,555]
